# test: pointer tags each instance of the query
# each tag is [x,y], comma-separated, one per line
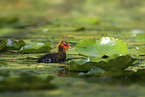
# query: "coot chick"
[58,57]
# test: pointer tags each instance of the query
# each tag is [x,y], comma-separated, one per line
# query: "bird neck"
[61,50]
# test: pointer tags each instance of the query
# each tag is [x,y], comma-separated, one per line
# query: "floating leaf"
[93,20]
[10,44]
[80,29]
[87,47]
[23,24]
[105,46]
[9,19]
[13,21]
[37,48]
[114,65]
[95,70]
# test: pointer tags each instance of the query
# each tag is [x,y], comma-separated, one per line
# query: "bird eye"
[65,43]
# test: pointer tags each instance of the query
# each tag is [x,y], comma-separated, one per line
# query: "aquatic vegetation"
[91,68]
[98,48]
[19,46]
[10,44]
[36,48]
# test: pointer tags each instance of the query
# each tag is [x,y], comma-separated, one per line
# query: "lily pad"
[37,48]
[95,70]
[23,24]
[80,29]
[114,65]
[91,20]
[98,48]
[9,19]
[10,44]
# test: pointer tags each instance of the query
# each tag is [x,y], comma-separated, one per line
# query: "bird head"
[64,44]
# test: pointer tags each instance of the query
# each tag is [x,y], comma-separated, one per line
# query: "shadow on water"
[125,80]
[128,79]
[23,78]
[131,78]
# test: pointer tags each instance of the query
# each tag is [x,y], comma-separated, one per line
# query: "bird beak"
[69,46]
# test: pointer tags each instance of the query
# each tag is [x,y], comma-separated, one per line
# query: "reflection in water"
[62,73]
[127,79]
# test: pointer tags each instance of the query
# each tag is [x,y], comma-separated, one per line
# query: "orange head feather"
[64,44]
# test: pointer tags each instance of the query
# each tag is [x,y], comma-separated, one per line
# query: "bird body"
[58,57]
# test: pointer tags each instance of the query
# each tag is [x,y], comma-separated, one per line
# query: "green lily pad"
[114,65]
[9,19]
[23,24]
[98,48]
[80,29]
[37,48]
[91,20]
[10,44]
[95,70]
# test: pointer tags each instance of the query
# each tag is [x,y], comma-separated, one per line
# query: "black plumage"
[55,57]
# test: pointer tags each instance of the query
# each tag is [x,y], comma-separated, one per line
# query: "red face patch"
[65,45]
